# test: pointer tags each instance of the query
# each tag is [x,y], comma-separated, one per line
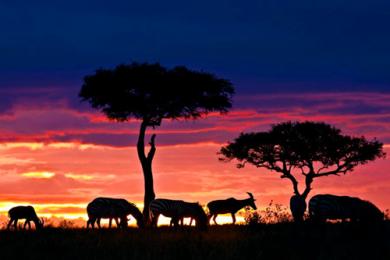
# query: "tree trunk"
[146,162]
[298,201]
[298,207]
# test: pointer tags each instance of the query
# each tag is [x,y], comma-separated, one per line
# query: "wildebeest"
[326,206]
[230,205]
[112,208]
[24,212]
[177,210]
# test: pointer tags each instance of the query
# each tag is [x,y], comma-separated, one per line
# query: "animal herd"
[321,208]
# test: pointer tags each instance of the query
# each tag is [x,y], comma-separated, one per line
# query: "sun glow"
[39,175]
[30,145]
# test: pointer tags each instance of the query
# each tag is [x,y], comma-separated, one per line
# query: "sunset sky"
[313,60]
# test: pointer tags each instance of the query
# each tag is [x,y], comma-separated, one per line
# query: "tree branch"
[293,180]
[308,181]
[152,150]
[141,141]
[334,172]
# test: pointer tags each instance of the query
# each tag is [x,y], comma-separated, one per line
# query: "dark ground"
[275,241]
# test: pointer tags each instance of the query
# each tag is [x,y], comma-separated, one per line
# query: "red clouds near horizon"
[58,154]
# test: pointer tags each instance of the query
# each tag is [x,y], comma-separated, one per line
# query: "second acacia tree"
[310,149]
[151,93]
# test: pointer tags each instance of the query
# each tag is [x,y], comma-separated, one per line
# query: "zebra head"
[251,201]
[39,223]
[201,217]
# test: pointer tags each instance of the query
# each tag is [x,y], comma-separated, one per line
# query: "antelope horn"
[42,221]
[250,195]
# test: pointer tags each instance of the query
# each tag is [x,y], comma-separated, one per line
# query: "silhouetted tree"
[150,93]
[308,148]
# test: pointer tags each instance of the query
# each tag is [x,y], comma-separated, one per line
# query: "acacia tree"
[310,149]
[151,93]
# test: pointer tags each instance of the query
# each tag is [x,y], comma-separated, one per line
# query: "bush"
[273,213]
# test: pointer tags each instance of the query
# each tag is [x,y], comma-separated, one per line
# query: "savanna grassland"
[272,241]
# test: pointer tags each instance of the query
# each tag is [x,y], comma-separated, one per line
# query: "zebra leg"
[175,221]
[98,223]
[10,223]
[234,218]
[16,224]
[91,222]
[110,223]
[155,219]
[25,224]
[215,219]
[191,220]
[123,222]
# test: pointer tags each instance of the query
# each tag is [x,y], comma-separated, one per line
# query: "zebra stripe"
[327,206]
[112,208]
[176,210]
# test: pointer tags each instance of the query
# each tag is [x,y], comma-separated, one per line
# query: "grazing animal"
[112,209]
[177,210]
[326,206]
[230,205]
[24,212]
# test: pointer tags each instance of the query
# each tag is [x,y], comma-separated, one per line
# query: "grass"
[273,241]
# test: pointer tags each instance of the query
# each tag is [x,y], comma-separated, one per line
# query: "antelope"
[177,210]
[112,209]
[230,205]
[24,212]
[326,206]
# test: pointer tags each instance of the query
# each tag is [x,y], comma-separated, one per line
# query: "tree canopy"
[151,92]
[314,149]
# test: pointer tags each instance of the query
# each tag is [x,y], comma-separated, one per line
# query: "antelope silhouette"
[230,205]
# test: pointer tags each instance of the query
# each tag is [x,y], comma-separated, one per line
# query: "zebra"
[327,206]
[230,205]
[24,212]
[112,208]
[177,210]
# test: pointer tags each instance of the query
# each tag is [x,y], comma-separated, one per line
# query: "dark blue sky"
[260,45]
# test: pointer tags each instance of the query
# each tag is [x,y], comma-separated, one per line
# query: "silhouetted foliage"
[273,213]
[309,148]
[150,93]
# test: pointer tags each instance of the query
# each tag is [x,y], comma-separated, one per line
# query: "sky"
[308,60]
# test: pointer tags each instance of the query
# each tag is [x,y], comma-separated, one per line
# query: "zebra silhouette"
[326,206]
[112,208]
[24,212]
[177,210]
